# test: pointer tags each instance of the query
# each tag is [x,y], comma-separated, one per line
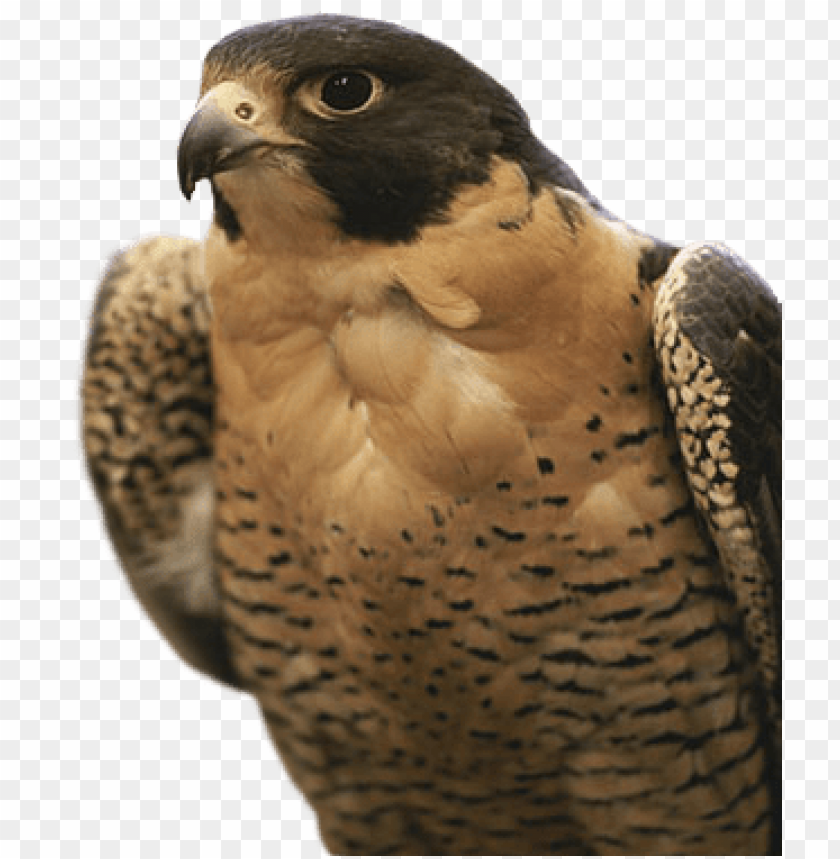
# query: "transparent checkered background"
[708,121]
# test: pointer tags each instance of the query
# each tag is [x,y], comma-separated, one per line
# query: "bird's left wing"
[147,410]
[718,340]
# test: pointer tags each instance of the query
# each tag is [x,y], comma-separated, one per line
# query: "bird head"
[382,125]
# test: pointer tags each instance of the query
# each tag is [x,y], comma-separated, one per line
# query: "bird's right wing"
[147,414]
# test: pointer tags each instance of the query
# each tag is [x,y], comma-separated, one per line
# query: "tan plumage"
[455,549]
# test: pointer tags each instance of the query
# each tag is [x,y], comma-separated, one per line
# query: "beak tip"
[186,177]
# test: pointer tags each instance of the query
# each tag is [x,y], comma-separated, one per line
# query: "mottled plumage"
[473,486]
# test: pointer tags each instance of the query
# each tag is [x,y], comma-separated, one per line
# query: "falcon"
[472,485]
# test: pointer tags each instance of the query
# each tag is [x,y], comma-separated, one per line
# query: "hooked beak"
[212,143]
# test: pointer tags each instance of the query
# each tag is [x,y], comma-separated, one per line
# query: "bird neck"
[437,352]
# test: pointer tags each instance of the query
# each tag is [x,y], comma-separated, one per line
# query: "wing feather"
[147,410]
[718,339]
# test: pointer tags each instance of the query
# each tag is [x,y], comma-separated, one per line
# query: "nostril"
[244,111]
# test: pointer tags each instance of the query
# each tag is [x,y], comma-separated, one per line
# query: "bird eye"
[346,92]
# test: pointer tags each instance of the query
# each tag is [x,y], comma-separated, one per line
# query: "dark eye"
[347,91]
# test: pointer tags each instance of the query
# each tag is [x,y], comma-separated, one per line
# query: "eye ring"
[347,92]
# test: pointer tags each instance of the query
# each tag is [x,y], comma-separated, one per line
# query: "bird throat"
[424,366]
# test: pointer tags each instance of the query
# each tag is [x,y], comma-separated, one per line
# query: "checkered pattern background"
[696,120]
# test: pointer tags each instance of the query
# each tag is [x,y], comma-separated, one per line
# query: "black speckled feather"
[718,335]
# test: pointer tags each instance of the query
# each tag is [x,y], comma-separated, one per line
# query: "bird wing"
[718,339]
[147,412]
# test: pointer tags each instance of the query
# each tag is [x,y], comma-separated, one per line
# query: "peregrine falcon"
[472,485]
